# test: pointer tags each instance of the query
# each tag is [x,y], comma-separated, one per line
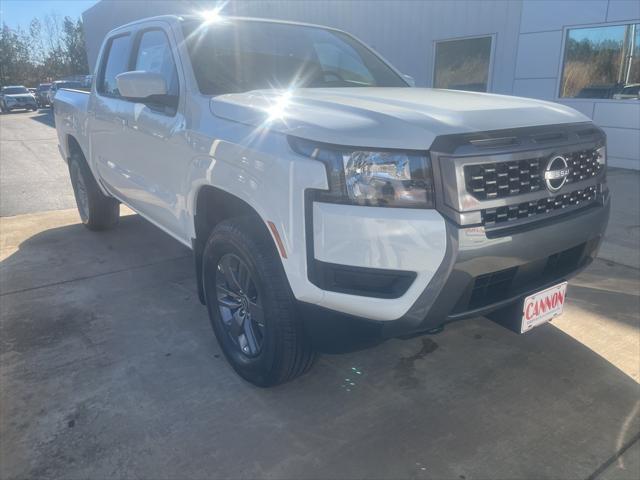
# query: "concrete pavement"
[109,368]
[33,176]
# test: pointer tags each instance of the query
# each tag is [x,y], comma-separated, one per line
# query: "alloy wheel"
[240,305]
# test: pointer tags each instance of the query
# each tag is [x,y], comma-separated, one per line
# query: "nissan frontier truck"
[318,189]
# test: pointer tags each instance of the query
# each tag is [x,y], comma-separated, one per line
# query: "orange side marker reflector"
[276,235]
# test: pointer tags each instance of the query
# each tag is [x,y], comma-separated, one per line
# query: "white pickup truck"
[321,194]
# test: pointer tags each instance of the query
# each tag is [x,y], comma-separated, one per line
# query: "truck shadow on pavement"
[45,115]
[110,368]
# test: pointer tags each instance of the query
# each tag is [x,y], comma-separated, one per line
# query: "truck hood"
[409,118]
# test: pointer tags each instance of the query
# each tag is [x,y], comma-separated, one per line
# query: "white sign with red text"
[541,307]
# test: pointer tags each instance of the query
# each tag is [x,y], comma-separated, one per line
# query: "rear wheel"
[97,211]
[250,305]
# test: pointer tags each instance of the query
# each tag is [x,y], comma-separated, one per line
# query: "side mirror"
[141,85]
[88,81]
[410,80]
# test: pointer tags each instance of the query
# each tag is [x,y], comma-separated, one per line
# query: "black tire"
[284,351]
[97,211]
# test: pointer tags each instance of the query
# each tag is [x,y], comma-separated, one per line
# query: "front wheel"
[97,211]
[250,305]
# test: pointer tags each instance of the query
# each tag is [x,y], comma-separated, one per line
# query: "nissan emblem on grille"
[492,180]
[556,173]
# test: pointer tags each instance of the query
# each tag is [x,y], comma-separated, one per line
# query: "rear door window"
[116,62]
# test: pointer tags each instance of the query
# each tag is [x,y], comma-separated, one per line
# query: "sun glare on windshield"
[214,15]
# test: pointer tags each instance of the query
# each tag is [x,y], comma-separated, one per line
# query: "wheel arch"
[213,205]
[73,146]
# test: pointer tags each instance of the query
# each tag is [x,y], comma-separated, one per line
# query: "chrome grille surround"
[466,167]
[511,178]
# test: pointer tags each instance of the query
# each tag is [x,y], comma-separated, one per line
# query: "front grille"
[498,180]
[494,287]
[564,262]
[489,181]
[508,213]
[583,165]
[491,287]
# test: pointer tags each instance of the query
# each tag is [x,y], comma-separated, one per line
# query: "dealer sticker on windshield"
[541,307]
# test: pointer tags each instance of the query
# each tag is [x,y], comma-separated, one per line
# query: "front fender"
[270,178]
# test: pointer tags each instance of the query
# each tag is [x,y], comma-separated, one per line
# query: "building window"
[602,62]
[463,64]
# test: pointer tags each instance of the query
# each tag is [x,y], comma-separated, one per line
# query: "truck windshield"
[238,56]
[14,90]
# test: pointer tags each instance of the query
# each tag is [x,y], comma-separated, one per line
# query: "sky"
[18,13]
[599,34]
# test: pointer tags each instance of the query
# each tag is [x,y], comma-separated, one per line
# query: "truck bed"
[70,109]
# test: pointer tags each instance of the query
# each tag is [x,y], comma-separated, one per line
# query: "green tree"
[15,64]
[74,48]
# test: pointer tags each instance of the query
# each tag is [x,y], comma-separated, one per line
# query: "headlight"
[382,178]
[11,100]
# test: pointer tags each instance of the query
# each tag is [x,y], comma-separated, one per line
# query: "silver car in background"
[17,97]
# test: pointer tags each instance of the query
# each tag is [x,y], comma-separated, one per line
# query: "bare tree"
[37,42]
[50,50]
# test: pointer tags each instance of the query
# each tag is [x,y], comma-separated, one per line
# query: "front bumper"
[480,275]
[21,106]
[481,251]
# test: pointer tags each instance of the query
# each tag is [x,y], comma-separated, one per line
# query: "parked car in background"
[57,85]
[319,191]
[629,92]
[41,94]
[17,97]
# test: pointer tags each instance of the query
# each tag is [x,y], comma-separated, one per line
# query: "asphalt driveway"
[109,368]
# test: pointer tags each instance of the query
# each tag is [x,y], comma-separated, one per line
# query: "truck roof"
[198,18]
